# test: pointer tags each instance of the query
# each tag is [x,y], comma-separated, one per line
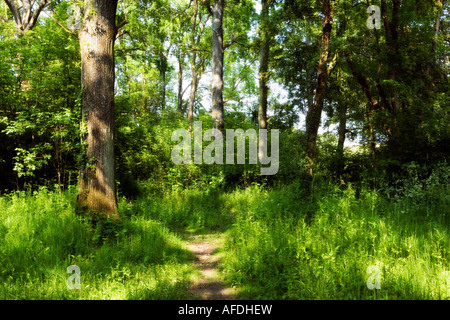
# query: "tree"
[197,67]
[264,64]
[314,112]
[97,185]
[217,65]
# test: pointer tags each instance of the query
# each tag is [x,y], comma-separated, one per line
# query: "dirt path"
[209,285]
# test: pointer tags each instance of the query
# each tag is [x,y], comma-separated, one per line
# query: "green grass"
[277,250]
[277,245]
[40,236]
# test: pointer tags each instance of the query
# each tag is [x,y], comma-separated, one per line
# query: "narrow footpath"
[209,285]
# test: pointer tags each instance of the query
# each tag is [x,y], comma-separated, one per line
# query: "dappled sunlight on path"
[209,285]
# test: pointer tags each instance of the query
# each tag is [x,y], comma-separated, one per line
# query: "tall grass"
[40,236]
[278,244]
[277,250]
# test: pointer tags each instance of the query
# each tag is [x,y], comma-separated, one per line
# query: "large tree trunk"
[314,113]
[97,187]
[263,64]
[217,66]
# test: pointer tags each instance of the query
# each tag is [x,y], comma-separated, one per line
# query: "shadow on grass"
[281,251]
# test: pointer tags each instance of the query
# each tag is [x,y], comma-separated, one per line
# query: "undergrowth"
[279,245]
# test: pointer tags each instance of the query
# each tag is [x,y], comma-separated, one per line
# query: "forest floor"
[209,284]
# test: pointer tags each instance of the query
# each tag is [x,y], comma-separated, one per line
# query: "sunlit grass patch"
[42,236]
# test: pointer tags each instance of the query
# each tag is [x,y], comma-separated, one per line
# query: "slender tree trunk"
[314,113]
[342,129]
[194,81]
[163,72]
[180,81]
[217,66]
[97,186]
[163,91]
[192,94]
[372,138]
[197,61]
[263,65]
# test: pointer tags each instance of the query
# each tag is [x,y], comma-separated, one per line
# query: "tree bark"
[217,66]
[314,113]
[263,64]
[192,94]
[197,60]
[342,130]
[97,187]
[180,81]
[163,90]
[194,82]
[162,66]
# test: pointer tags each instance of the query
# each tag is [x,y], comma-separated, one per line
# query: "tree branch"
[15,12]
[229,43]
[208,6]
[364,83]
[31,23]
[121,33]
[122,24]
[62,26]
